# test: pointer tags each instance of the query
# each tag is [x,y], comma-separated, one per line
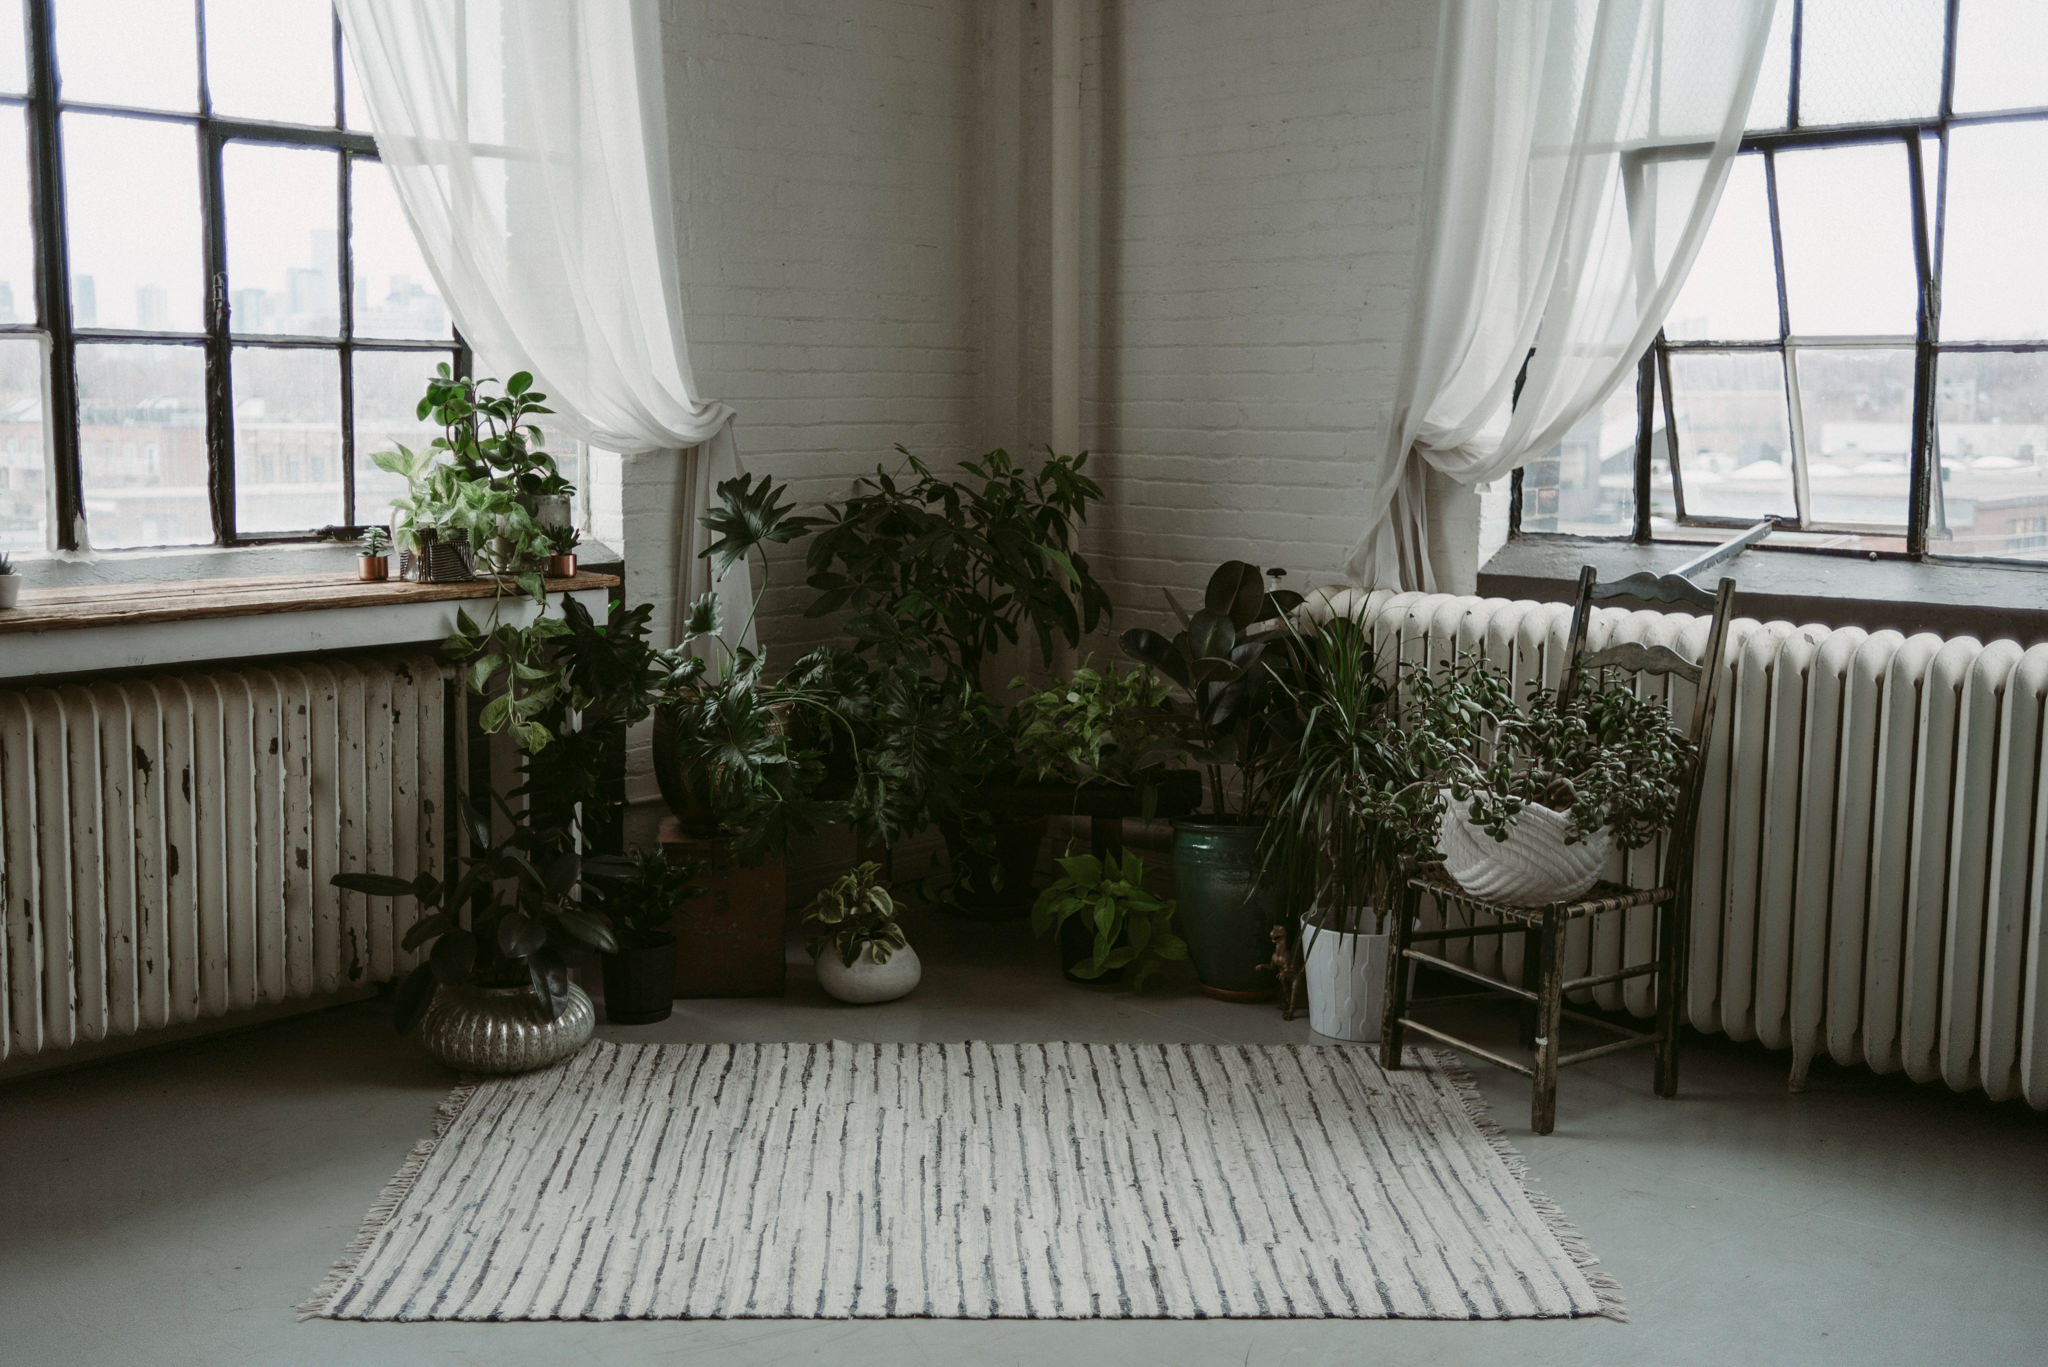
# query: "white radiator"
[166,840]
[1873,842]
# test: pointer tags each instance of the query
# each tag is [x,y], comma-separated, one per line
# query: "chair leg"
[1549,1025]
[1670,995]
[1532,977]
[1391,1032]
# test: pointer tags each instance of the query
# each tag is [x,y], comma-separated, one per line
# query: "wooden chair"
[1544,985]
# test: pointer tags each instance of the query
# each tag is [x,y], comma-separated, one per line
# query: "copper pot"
[372,569]
[562,566]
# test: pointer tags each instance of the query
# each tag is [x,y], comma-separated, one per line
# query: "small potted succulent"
[860,950]
[640,895]
[371,565]
[1106,921]
[562,542]
[10,582]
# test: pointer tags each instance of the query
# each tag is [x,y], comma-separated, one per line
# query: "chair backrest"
[1635,658]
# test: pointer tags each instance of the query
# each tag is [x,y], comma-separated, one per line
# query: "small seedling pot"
[372,569]
[562,566]
[10,590]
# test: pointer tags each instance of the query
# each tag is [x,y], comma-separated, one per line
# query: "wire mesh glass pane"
[142,445]
[24,483]
[1734,442]
[284,254]
[395,295]
[1856,410]
[1994,273]
[1770,106]
[132,268]
[1845,222]
[387,390]
[17,239]
[13,49]
[1999,47]
[1991,431]
[1586,484]
[143,54]
[1731,294]
[287,440]
[1866,61]
[271,59]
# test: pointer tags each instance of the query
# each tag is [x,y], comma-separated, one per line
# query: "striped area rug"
[965,1181]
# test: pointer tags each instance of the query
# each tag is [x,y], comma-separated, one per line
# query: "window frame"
[44,105]
[1927,191]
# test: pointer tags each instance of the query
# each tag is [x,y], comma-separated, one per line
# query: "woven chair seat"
[1601,897]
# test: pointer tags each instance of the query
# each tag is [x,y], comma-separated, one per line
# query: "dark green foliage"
[1111,900]
[748,517]
[640,893]
[856,910]
[1100,726]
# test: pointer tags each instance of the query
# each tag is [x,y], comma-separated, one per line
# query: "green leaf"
[520,382]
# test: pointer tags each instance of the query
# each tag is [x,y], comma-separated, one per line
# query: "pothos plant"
[1129,927]
[1609,757]
[854,912]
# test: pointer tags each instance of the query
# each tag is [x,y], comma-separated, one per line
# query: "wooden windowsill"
[117,605]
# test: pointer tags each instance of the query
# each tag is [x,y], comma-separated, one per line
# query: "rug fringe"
[1554,1219]
[338,1277]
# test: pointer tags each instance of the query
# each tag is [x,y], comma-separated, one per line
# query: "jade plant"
[1130,927]
[854,912]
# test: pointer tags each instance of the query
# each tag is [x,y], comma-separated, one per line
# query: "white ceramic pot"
[10,590]
[1347,981]
[868,981]
[1534,866]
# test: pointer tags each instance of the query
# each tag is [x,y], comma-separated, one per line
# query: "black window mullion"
[220,397]
[1670,434]
[1920,517]
[1646,435]
[53,277]
[346,265]
[1798,48]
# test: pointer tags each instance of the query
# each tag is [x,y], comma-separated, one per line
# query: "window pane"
[283,248]
[1586,484]
[287,440]
[140,53]
[13,49]
[1857,411]
[23,495]
[142,445]
[1734,447]
[355,114]
[1844,216]
[395,296]
[1994,280]
[132,269]
[1998,55]
[271,59]
[388,385]
[17,245]
[1861,61]
[1991,415]
[1732,293]
[1770,107]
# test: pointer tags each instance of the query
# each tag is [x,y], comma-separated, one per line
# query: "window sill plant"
[861,953]
[371,565]
[1106,922]
[561,542]
[10,583]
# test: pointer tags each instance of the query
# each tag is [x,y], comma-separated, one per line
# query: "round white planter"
[1534,866]
[1347,982]
[868,981]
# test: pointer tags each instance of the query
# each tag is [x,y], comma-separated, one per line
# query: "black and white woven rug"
[1038,1181]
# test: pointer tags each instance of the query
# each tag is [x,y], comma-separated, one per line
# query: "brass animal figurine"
[1285,966]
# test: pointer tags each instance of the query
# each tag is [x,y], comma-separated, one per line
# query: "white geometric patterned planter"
[1347,982]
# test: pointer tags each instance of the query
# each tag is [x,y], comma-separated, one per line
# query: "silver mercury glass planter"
[503,1029]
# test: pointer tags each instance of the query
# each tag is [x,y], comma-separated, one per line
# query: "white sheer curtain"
[529,143]
[1577,149]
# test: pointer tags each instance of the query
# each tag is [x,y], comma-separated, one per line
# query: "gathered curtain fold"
[528,142]
[1577,150]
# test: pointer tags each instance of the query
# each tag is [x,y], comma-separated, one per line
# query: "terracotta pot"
[372,569]
[729,942]
[562,566]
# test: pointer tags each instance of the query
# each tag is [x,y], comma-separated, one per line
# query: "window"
[211,307]
[1862,347]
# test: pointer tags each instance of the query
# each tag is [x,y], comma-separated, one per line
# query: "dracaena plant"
[1227,660]
[510,914]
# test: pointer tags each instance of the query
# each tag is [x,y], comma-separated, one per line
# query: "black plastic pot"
[1077,946]
[640,982]
[1227,909]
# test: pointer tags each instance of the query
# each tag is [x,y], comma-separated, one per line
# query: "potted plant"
[860,951]
[1228,661]
[562,541]
[1355,799]
[641,895]
[1105,727]
[371,565]
[1106,922]
[1540,794]
[10,582]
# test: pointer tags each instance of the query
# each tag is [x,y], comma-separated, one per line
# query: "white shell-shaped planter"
[868,981]
[1532,867]
[1347,982]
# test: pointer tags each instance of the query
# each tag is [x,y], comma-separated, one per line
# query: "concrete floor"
[170,1208]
